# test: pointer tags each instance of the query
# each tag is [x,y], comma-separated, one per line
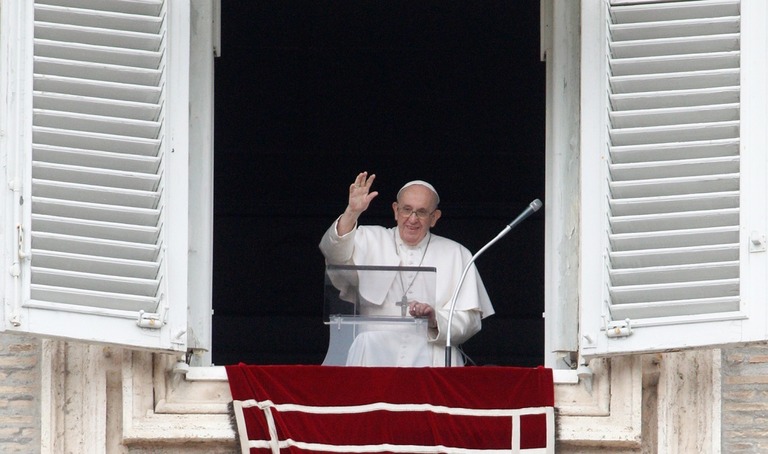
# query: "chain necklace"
[403,303]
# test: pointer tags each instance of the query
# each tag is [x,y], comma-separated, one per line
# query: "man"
[412,244]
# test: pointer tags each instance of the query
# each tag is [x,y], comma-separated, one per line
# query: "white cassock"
[379,246]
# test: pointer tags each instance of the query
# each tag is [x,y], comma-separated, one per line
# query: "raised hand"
[360,197]
[359,193]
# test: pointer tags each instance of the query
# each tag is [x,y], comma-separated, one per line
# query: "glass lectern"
[367,305]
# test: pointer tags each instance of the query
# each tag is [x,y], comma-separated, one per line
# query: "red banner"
[319,409]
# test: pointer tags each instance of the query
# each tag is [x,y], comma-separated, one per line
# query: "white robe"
[379,246]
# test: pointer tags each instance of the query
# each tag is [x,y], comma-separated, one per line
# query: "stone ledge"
[607,416]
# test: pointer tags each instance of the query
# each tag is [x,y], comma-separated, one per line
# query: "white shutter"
[670,189]
[103,173]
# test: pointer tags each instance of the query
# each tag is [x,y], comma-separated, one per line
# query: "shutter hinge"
[20,242]
[618,328]
[152,321]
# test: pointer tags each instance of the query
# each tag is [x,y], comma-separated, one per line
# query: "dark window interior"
[309,93]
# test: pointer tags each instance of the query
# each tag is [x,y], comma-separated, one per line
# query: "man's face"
[415,213]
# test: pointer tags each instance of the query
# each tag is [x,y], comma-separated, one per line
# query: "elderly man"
[410,244]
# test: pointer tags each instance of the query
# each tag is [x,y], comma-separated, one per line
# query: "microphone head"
[535,205]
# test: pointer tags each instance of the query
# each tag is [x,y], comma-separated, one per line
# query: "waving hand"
[360,196]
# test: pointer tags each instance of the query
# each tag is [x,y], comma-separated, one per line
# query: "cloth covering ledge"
[313,409]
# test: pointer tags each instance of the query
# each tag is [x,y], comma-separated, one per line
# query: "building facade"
[655,242]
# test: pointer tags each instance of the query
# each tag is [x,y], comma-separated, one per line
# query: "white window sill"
[210,373]
[219,373]
[565,377]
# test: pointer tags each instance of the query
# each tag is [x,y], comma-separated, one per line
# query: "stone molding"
[104,399]
[607,416]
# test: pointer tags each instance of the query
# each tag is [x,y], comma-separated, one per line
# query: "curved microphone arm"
[532,207]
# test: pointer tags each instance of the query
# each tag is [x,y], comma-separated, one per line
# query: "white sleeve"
[465,325]
[338,249]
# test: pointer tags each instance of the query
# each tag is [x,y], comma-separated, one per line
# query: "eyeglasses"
[407,211]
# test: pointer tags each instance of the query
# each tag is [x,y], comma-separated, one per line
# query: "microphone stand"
[534,206]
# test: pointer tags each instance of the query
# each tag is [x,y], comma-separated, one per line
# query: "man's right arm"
[336,248]
[337,244]
[346,222]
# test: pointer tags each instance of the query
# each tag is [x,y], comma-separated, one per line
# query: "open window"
[673,175]
[95,114]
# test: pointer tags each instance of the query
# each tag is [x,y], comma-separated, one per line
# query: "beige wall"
[101,399]
[654,403]
[745,399]
[19,394]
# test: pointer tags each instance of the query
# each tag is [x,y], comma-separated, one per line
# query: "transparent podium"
[366,310]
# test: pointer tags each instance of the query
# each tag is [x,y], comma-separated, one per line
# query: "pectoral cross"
[403,303]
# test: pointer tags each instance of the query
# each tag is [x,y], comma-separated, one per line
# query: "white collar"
[402,244]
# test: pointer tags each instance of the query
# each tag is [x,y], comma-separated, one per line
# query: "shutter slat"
[688,80]
[675,221]
[677,291]
[76,299]
[95,229]
[674,133]
[674,238]
[94,282]
[674,63]
[689,272]
[97,36]
[674,98]
[148,8]
[658,187]
[674,203]
[675,256]
[123,250]
[93,158]
[98,54]
[95,265]
[95,194]
[96,211]
[97,89]
[675,28]
[97,124]
[97,19]
[686,311]
[95,177]
[675,46]
[675,116]
[97,142]
[673,11]
[96,71]
[96,106]
[675,150]
[673,169]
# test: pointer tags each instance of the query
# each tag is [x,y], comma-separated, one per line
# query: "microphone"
[532,208]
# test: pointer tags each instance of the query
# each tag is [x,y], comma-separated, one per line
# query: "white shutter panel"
[105,191]
[664,184]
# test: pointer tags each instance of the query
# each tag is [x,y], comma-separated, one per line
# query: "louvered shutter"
[673,214]
[99,251]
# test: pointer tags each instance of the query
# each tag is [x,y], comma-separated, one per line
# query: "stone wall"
[745,399]
[743,385]
[19,394]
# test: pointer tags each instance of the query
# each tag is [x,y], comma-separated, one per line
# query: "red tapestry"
[324,409]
